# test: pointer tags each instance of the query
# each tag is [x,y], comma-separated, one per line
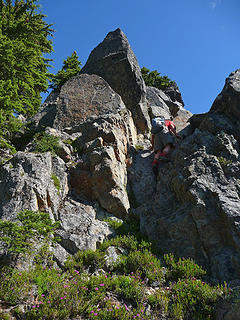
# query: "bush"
[86,259]
[144,263]
[182,268]
[56,182]
[18,237]
[193,299]
[44,142]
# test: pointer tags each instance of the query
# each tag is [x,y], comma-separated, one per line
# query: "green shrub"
[126,242]
[193,299]
[159,300]
[114,224]
[15,285]
[144,263]
[18,237]
[4,144]
[44,142]
[182,268]
[86,259]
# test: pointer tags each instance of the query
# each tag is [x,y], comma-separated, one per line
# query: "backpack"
[158,124]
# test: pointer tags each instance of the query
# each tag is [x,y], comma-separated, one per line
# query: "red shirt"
[169,124]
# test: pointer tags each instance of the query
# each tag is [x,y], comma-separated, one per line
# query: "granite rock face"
[80,98]
[26,183]
[114,61]
[196,208]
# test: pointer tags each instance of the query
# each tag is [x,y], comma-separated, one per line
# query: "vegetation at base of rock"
[56,182]
[23,68]
[89,287]
[71,66]
[153,79]
[182,268]
[31,226]
[44,142]
[223,161]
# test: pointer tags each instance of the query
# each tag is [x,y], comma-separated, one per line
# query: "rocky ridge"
[102,118]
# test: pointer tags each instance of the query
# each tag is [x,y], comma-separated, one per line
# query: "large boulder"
[114,61]
[101,173]
[80,98]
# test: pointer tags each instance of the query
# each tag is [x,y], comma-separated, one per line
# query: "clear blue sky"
[194,42]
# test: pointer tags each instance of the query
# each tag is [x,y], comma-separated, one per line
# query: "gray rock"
[26,182]
[80,229]
[101,173]
[156,99]
[227,102]
[142,182]
[195,210]
[114,61]
[229,309]
[80,98]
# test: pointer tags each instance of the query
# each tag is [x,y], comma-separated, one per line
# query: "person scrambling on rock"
[163,138]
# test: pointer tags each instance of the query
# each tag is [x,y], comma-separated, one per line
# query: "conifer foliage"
[23,68]
[71,66]
[153,79]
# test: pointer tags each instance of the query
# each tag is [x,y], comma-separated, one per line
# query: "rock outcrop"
[114,61]
[103,165]
[195,209]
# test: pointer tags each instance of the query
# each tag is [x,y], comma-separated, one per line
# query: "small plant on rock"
[44,142]
[56,182]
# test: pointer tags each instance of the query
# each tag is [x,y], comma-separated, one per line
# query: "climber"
[163,139]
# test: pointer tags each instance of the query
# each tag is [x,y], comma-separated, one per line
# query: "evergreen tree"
[153,79]
[71,66]
[23,69]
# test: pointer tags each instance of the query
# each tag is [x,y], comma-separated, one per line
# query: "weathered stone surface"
[228,101]
[81,230]
[175,95]
[142,182]
[195,210]
[101,172]
[80,98]
[157,105]
[114,61]
[26,183]
[160,104]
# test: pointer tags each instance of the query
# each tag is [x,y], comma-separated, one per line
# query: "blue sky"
[194,42]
